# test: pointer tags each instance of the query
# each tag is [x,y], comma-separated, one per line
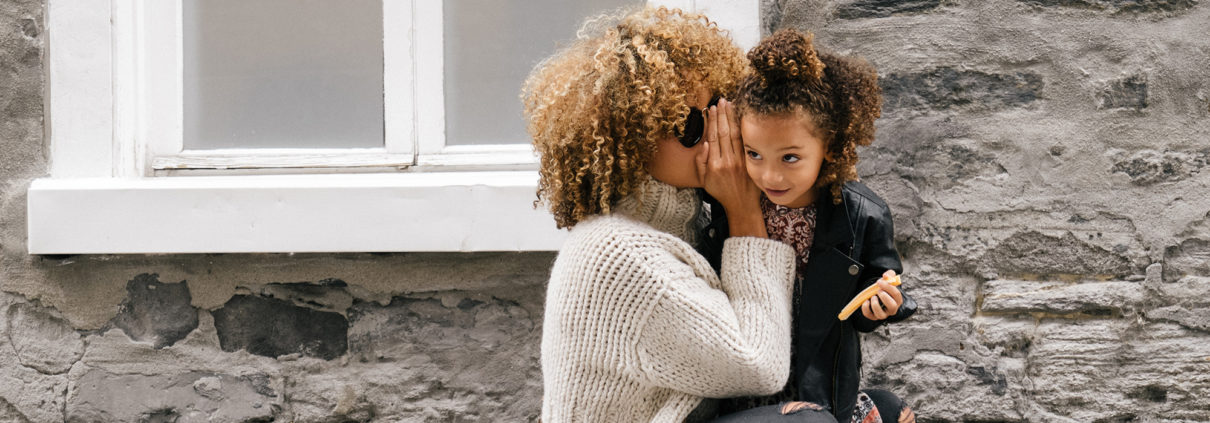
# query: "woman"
[638,327]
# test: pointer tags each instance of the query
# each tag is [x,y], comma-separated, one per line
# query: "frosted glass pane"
[283,74]
[490,47]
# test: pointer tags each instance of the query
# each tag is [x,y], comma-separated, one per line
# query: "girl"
[638,327]
[803,114]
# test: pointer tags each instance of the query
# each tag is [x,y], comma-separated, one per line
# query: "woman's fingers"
[733,130]
[711,138]
[724,144]
[724,128]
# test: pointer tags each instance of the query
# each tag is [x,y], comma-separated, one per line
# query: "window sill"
[438,211]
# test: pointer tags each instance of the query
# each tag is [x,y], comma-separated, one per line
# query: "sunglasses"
[695,125]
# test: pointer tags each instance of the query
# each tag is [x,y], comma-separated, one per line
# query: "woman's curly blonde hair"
[839,94]
[596,108]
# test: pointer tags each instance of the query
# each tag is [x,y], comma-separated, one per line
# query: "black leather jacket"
[853,246]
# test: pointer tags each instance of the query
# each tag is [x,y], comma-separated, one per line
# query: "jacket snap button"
[853,269]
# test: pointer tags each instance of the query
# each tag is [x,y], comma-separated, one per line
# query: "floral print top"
[795,227]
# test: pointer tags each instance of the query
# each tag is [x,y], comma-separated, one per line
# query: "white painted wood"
[480,157]
[429,64]
[447,211]
[161,58]
[740,18]
[80,88]
[398,75]
[129,155]
[281,158]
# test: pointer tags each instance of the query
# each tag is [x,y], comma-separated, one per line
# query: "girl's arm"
[880,256]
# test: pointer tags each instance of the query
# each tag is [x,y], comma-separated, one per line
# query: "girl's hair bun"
[787,55]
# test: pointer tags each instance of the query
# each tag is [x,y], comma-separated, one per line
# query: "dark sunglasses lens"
[694,125]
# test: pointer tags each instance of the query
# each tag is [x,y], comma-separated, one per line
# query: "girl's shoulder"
[857,191]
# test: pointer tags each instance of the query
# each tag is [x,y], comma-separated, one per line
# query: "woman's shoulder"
[626,251]
[616,234]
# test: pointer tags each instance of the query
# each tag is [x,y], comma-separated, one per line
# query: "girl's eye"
[753,155]
[789,158]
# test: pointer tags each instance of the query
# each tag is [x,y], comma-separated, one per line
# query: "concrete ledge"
[436,211]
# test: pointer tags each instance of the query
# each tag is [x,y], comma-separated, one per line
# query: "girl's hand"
[725,175]
[886,303]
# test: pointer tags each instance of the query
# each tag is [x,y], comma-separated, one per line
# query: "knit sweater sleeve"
[730,342]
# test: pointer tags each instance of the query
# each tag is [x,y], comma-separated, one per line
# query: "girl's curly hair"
[596,108]
[838,94]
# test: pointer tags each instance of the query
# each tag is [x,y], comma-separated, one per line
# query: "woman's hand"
[886,303]
[726,177]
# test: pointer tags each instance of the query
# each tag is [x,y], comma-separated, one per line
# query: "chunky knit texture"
[638,328]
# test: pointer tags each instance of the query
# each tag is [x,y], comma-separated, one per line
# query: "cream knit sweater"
[638,328]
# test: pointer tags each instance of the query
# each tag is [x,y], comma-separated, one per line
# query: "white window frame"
[114,120]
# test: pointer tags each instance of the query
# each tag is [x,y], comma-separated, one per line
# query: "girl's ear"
[828,155]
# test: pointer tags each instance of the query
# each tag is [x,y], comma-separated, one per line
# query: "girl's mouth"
[776,192]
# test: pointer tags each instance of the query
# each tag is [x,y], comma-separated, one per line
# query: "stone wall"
[1044,161]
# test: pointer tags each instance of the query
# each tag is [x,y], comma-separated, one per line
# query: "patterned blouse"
[791,226]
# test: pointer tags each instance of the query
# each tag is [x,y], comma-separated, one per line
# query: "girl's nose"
[769,177]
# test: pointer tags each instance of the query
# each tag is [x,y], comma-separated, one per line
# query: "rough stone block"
[1166,372]
[411,391]
[185,397]
[1148,167]
[1106,370]
[327,295]
[949,88]
[415,325]
[479,354]
[1125,93]
[27,394]
[1034,253]
[274,328]
[41,340]
[1107,299]
[8,413]
[947,388]
[1184,302]
[1070,356]
[933,153]
[1005,335]
[1120,6]
[156,312]
[883,8]
[1190,257]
